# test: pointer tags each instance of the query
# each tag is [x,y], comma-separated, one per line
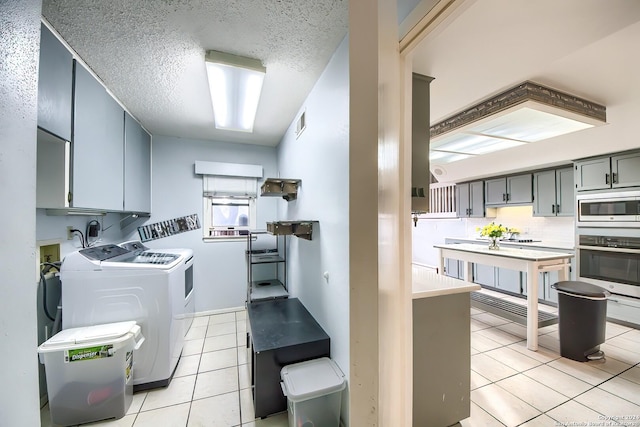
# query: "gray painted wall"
[220,272]
[19,46]
[320,158]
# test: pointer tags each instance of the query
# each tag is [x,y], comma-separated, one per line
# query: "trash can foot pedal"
[598,355]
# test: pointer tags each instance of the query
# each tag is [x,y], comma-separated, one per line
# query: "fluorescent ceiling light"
[235,83]
[524,114]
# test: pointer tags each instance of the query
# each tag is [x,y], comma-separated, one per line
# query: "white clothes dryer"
[154,287]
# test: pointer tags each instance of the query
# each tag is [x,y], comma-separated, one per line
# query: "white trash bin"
[314,392]
[89,372]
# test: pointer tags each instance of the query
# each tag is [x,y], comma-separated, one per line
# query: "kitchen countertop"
[550,244]
[427,283]
[528,254]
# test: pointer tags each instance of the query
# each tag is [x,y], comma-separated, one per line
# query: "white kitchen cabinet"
[137,167]
[55,80]
[97,146]
[553,192]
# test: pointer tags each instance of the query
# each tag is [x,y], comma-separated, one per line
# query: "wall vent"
[301,124]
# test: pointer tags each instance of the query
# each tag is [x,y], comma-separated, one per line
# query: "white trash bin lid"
[311,379]
[87,335]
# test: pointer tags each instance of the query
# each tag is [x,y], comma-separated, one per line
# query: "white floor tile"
[136,403]
[549,342]
[501,337]
[490,319]
[179,391]
[477,325]
[243,355]
[217,411]
[171,416]
[558,381]
[614,329]
[534,393]
[510,357]
[188,365]
[540,421]
[126,421]
[626,341]
[607,404]
[192,347]
[241,315]
[503,406]
[213,383]
[574,413]
[514,329]
[542,354]
[480,418]
[197,332]
[482,343]
[626,356]
[623,388]
[216,329]
[609,364]
[219,342]
[222,318]
[581,370]
[279,420]
[244,376]
[632,374]
[218,359]
[490,368]
[200,321]
[247,413]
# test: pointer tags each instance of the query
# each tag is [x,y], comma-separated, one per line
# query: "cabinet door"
[495,191]
[462,200]
[594,174]
[544,193]
[565,194]
[508,280]
[519,189]
[484,275]
[625,170]
[453,268]
[97,146]
[55,80]
[476,199]
[137,167]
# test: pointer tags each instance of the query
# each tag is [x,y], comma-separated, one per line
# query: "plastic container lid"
[311,379]
[581,288]
[107,333]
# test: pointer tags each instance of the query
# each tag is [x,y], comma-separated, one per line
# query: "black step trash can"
[582,311]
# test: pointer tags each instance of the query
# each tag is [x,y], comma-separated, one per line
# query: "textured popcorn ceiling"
[150,54]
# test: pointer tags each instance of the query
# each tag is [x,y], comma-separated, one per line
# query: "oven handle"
[610,249]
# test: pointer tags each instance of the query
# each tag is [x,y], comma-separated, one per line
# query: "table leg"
[532,306]
[468,273]
[441,269]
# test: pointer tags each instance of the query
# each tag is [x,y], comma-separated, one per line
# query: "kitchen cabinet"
[470,199]
[553,192]
[453,268]
[618,171]
[516,189]
[55,80]
[495,277]
[97,146]
[137,167]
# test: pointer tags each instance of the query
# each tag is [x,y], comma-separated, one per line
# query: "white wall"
[320,158]
[220,272]
[19,47]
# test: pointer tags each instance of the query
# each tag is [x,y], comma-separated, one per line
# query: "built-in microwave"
[619,209]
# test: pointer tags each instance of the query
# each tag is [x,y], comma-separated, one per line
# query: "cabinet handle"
[557,209]
[508,197]
[614,178]
[504,197]
[553,208]
[606,178]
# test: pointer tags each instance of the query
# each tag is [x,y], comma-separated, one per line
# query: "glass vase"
[493,243]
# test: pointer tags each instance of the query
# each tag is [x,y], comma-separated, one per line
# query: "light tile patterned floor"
[511,386]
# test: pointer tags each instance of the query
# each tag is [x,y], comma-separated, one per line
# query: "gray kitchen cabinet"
[619,171]
[509,280]
[516,189]
[97,146]
[553,192]
[137,167]
[470,199]
[55,80]
[484,275]
[454,268]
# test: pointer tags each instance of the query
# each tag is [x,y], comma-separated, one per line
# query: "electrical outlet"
[69,232]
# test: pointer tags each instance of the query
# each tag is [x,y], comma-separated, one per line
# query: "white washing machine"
[154,287]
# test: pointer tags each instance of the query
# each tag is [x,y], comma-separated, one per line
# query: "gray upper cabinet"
[55,82]
[553,192]
[508,190]
[137,167]
[470,199]
[618,171]
[97,146]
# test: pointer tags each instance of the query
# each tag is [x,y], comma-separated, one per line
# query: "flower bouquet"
[494,232]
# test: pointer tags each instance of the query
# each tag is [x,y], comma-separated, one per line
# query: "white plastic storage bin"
[314,393]
[89,372]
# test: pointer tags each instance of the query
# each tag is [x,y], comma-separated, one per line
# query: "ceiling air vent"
[301,124]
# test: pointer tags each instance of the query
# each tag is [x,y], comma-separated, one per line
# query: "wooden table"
[528,260]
